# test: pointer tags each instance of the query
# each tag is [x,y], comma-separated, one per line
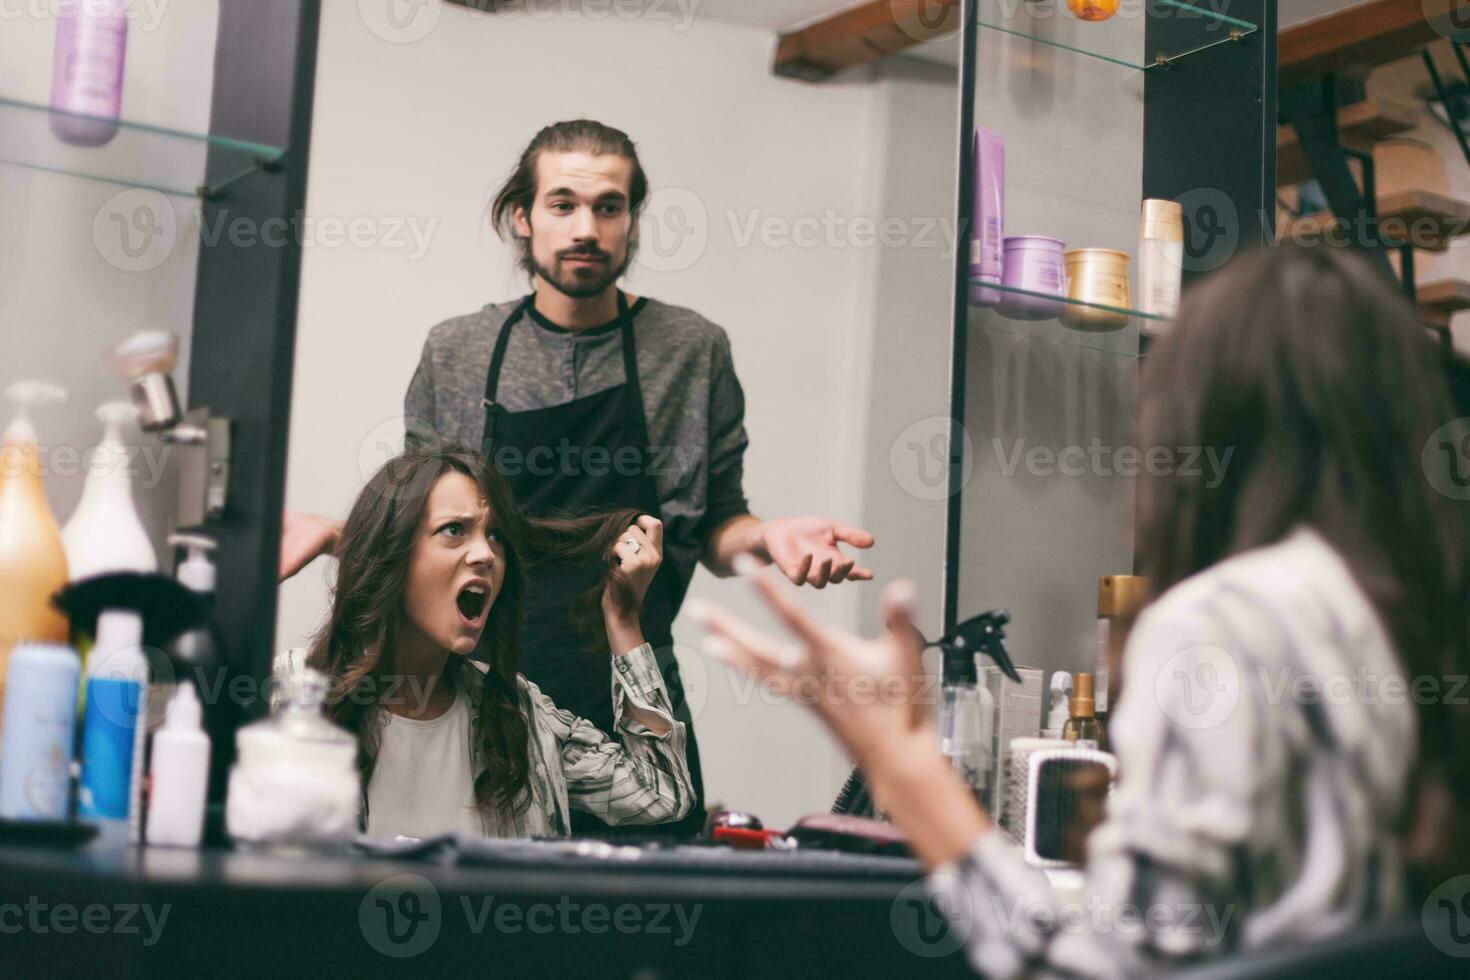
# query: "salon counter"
[107,908]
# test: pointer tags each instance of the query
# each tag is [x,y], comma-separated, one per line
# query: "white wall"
[67,291]
[424,130]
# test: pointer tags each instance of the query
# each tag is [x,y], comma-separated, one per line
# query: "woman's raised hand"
[639,552]
[867,691]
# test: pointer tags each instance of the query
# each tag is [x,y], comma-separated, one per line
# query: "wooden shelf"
[1440,300]
[1358,126]
[1427,220]
[1362,35]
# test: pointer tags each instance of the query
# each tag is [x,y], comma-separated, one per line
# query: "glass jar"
[295,784]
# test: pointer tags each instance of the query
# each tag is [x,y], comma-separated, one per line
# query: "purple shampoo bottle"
[87,80]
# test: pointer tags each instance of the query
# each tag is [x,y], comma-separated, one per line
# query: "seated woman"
[1279,781]
[430,572]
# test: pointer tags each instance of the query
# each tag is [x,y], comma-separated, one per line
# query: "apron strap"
[492,377]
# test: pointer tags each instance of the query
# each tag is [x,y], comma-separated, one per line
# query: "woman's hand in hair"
[639,552]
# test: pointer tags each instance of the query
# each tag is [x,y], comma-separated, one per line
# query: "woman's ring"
[633,545]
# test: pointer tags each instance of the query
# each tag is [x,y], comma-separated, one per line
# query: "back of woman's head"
[1313,373]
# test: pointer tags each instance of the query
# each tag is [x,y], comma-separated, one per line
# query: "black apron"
[540,452]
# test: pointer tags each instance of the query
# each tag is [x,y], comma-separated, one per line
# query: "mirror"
[812,225]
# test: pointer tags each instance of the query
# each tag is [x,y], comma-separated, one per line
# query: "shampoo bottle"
[105,534]
[32,559]
[113,728]
[87,77]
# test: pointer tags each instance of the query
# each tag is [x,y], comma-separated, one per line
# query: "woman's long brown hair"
[1316,374]
[367,605]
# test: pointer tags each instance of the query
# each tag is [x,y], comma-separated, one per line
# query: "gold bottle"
[1083,726]
[32,559]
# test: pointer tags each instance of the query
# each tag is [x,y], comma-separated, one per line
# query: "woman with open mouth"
[423,647]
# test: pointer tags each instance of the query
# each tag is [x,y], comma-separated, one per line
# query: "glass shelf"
[1122,340]
[170,161]
[1050,23]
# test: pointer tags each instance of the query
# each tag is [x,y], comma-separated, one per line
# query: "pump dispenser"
[105,534]
[1061,709]
[32,558]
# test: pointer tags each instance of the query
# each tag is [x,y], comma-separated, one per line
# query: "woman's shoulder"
[1266,597]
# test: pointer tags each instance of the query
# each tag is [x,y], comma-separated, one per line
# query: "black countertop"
[533,910]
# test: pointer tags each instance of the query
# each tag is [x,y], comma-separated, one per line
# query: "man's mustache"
[579,253]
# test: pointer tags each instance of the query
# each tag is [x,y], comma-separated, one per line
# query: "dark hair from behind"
[366,612]
[1314,372]
[571,136]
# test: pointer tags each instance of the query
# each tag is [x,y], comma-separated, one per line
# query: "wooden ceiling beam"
[861,35]
[1366,34]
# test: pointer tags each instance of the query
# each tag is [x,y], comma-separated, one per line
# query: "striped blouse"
[1265,738]
[639,778]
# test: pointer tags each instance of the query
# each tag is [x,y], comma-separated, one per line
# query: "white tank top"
[422,784]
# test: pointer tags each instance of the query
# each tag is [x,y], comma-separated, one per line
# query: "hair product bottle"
[1160,261]
[113,726]
[32,560]
[180,774]
[105,534]
[39,732]
[1083,727]
[87,78]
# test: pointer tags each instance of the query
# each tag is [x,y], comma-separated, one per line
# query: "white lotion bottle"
[1160,262]
[180,774]
[105,534]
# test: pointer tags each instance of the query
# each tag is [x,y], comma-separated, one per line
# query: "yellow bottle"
[32,559]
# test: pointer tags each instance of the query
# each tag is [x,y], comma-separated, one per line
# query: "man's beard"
[589,281]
